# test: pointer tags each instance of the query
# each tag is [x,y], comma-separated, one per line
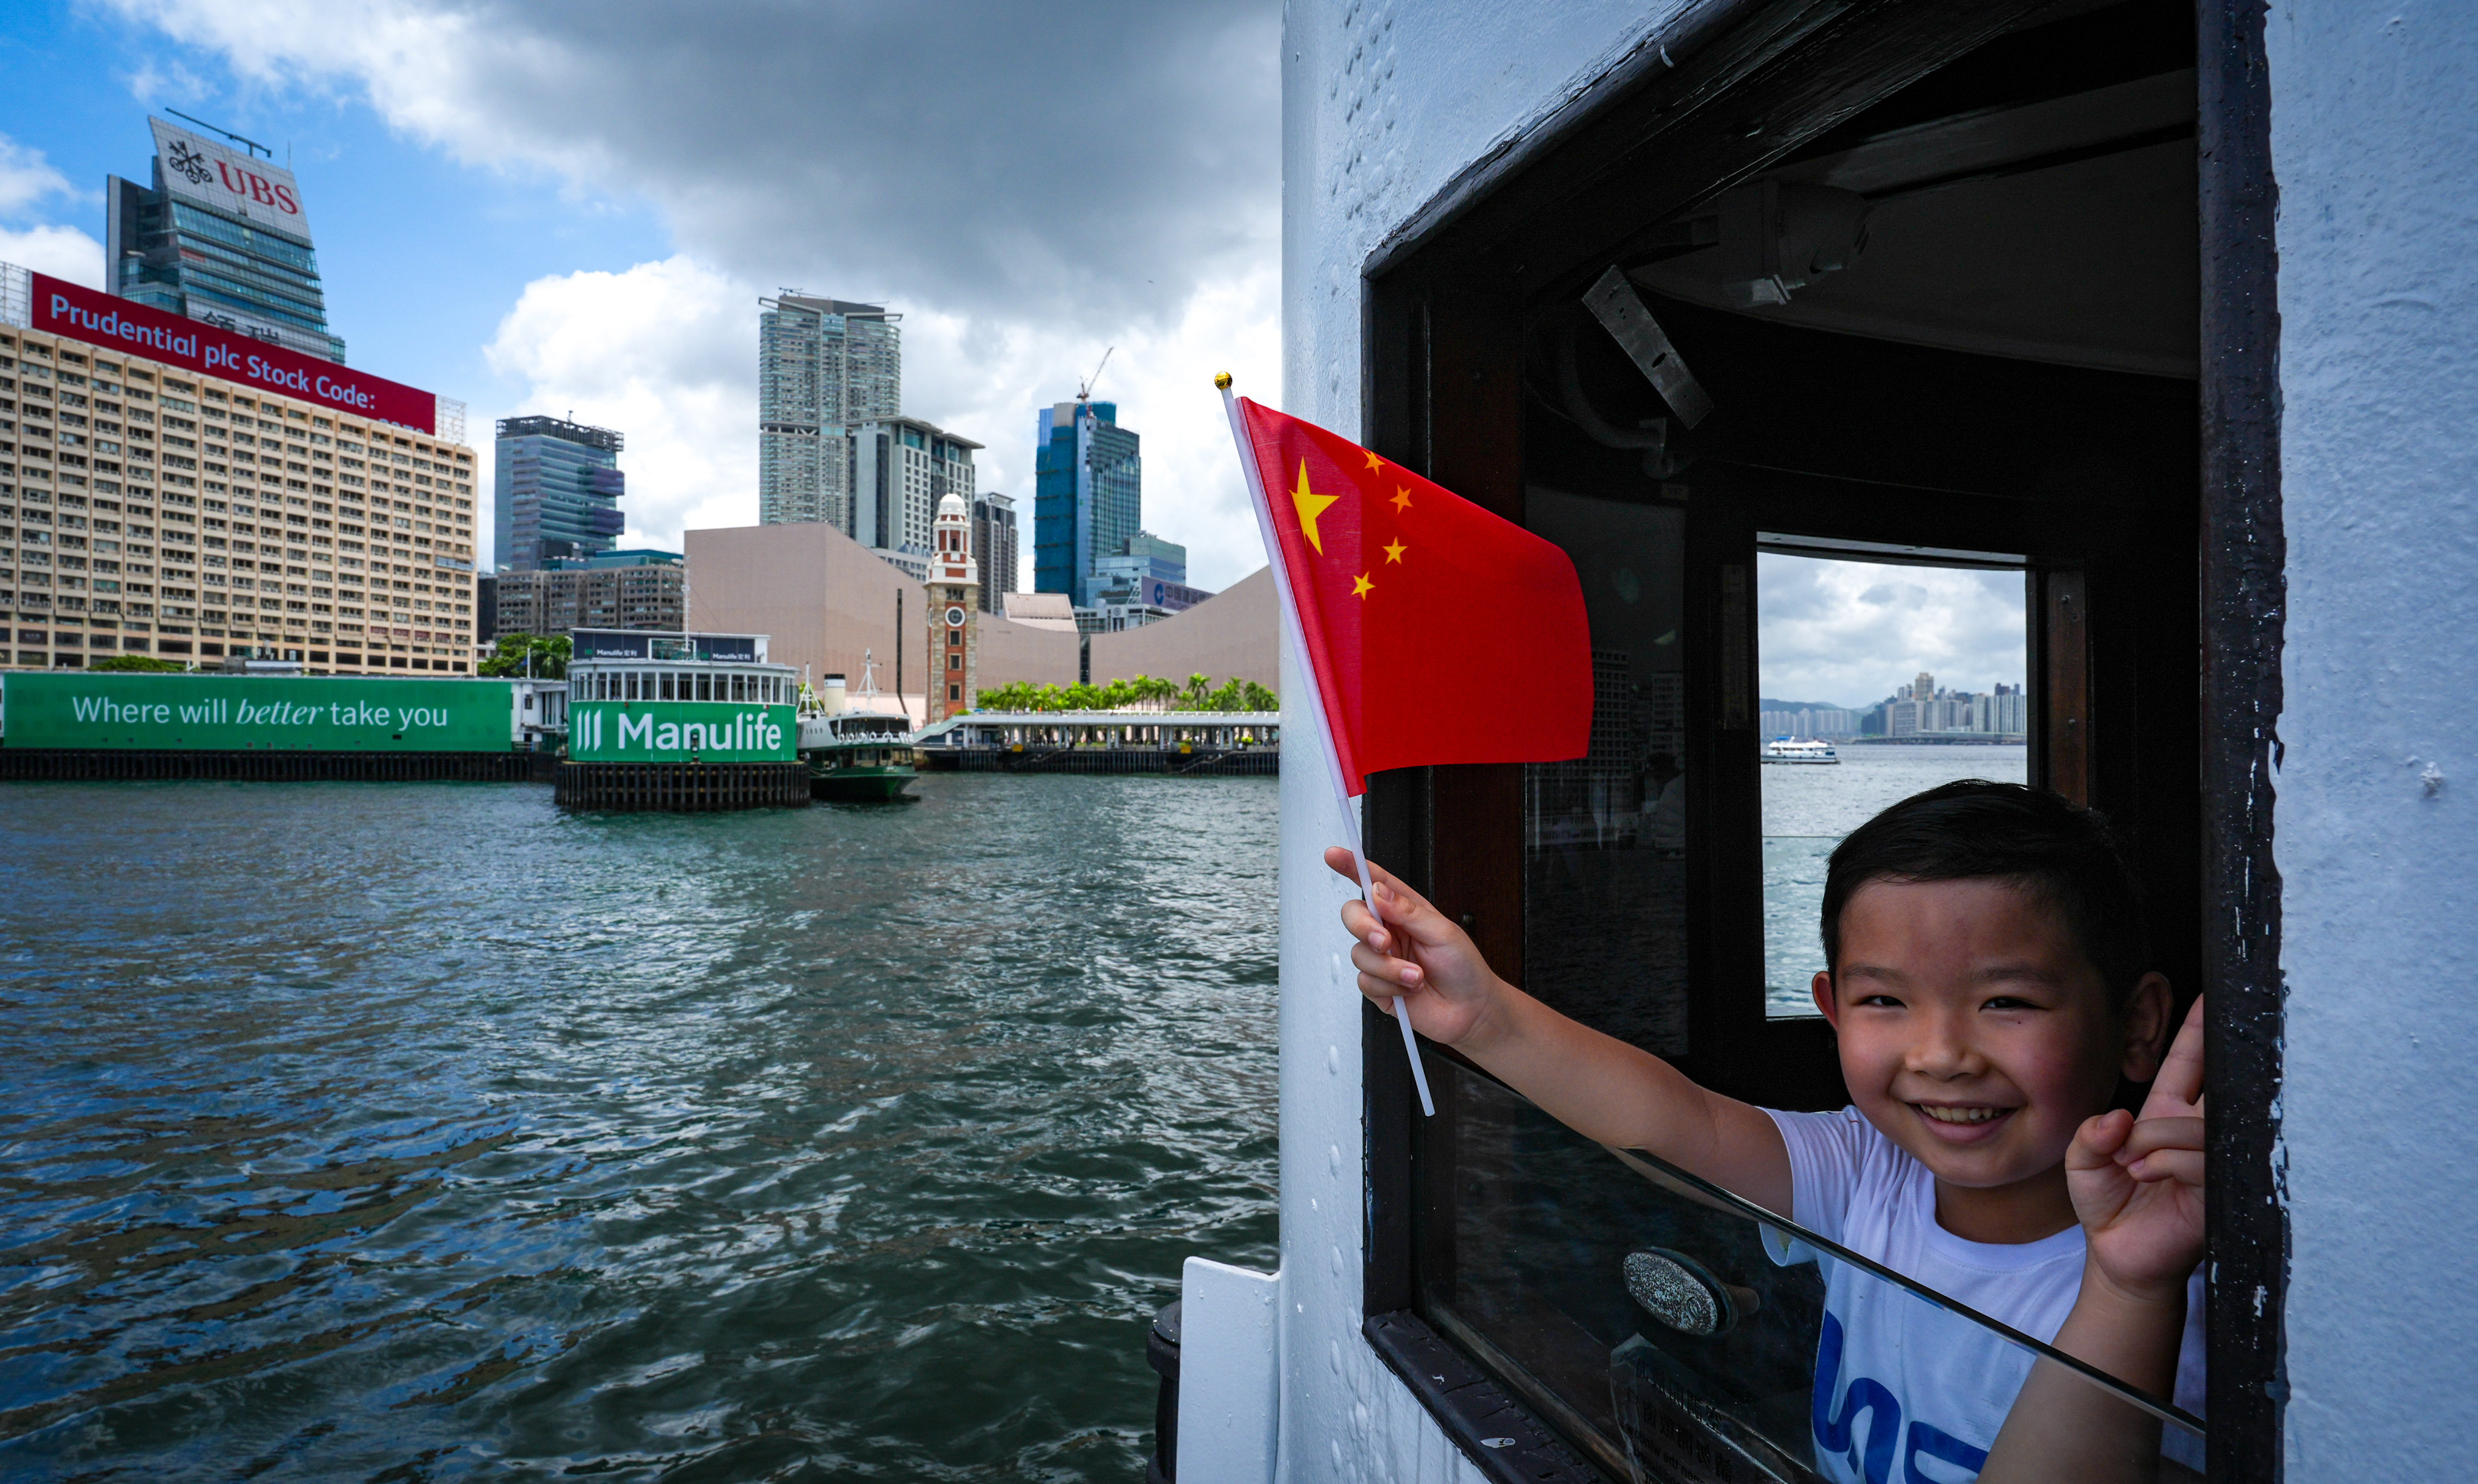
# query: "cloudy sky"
[1847,633]
[574,207]
[538,205]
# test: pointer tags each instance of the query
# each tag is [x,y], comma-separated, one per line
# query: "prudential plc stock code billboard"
[62,708]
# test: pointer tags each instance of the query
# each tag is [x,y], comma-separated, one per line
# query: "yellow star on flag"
[1373,462]
[1310,505]
[1402,498]
[1394,551]
[1361,587]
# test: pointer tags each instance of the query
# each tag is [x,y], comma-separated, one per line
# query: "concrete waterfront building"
[1230,635]
[1088,499]
[994,544]
[830,603]
[612,590]
[834,605]
[147,508]
[954,613]
[220,236]
[902,469]
[556,492]
[823,366]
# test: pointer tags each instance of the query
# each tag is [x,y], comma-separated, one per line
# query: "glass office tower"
[1088,495]
[557,493]
[221,237]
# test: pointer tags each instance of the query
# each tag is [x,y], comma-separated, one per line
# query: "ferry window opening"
[1874,681]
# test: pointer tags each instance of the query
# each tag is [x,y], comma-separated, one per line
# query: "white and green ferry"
[856,753]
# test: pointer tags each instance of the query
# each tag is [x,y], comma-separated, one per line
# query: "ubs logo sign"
[206,172]
[188,164]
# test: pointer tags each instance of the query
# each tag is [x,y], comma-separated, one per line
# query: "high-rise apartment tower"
[557,496]
[994,545]
[1088,496]
[823,367]
[221,237]
[902,469]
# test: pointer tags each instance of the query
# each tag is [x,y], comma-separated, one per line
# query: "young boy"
[1985,979]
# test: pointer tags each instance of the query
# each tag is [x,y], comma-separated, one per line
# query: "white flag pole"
[1291,629]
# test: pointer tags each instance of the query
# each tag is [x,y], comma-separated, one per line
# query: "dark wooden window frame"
[1710,98]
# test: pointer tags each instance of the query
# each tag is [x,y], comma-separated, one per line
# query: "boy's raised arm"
[1603,1089]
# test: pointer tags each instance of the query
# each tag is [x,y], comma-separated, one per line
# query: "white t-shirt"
[1906,1393]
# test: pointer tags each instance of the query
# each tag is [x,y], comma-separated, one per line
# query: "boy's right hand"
[1416,952]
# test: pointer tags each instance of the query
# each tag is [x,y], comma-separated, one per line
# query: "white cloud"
[667,353]
[63,252]
[26,178]
[1849,632]
[1027,190]
[985,380]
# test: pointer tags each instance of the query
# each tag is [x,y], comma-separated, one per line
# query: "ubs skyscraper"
[824,366]
[220,237]
[557,493]
[1088,495]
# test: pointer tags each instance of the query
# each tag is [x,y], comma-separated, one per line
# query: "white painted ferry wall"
[1381,104]
[2375,114]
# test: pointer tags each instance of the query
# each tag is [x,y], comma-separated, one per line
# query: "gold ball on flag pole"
[1222,380]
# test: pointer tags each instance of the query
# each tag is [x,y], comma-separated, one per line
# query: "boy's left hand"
[2137,1181]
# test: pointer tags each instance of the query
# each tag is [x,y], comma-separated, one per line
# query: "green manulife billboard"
[234,713]
[679,731]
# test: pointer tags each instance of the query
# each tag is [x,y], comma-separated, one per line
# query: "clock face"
[954,618]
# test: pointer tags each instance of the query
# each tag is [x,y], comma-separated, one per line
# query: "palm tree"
[1200,687]
[1257,698]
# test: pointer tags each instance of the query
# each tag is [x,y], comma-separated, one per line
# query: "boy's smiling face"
[1976,1034]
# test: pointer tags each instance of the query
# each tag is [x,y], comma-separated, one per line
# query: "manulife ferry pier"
[681,722]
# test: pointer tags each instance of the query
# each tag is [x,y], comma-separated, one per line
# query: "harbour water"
[1807,808]
[420,1132]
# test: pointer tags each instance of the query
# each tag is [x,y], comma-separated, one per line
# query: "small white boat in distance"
[1793,749]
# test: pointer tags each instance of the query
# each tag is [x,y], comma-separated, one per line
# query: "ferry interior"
[1920,286]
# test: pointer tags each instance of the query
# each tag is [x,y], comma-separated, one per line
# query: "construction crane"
[1084,392]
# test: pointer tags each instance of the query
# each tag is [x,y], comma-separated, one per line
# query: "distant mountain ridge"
[1767,703]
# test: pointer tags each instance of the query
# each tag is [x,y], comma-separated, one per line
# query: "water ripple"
[420,1132]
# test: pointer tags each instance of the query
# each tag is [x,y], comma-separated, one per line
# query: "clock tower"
[954,612]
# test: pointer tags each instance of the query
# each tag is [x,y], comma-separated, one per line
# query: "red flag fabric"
[1439,633]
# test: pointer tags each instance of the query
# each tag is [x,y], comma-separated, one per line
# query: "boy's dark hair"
[1974,830]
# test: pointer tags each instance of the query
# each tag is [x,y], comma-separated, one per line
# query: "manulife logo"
[679,732]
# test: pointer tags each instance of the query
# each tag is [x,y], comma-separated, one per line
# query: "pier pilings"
[268,766]
[682,787]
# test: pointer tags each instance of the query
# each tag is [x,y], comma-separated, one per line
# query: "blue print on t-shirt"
[1837,1431]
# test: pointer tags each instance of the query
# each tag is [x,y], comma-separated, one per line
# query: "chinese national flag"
[1439,633]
